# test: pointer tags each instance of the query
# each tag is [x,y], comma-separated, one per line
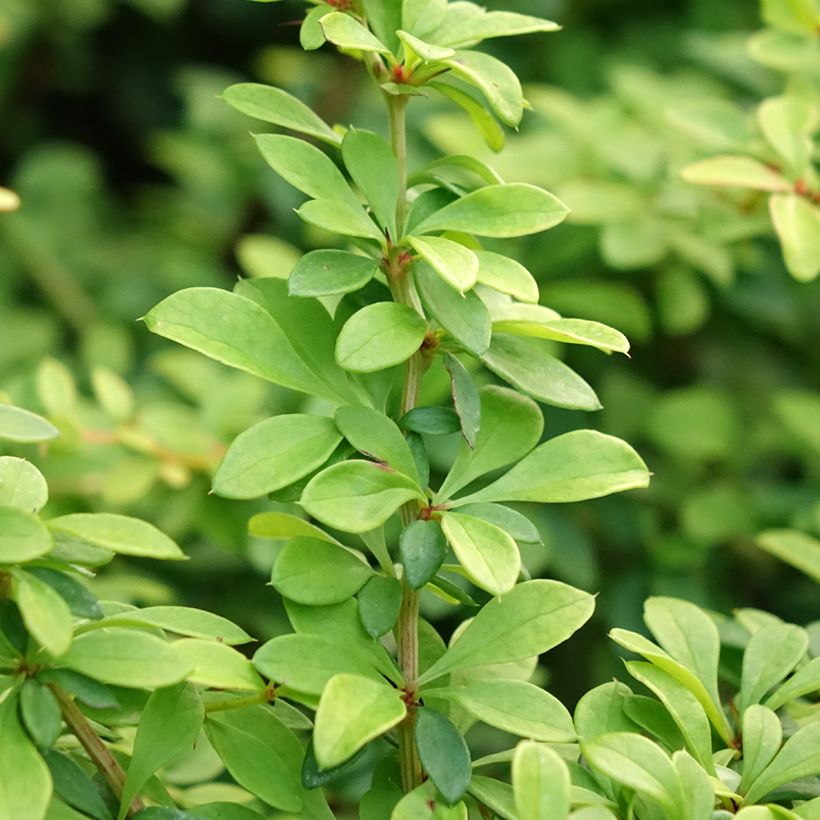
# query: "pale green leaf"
[182,620]
[541,783]
[22,485]
[426,52]
[467,24]
[346,32]
[45,613]
[771,654]
[424,801]
[735,172]
[506,276]
[20,425]
[454,263]
[23,537]
[217,666]
[569,331]
[483,120]
[762,736]
[799,757]
[804,681]
[797,223]
[279,525]
[496,81]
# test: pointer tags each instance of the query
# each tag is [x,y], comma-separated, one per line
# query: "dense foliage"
[379,435]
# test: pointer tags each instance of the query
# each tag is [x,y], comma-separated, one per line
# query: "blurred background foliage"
[136,180]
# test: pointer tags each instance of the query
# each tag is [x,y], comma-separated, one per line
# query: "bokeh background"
[137,180]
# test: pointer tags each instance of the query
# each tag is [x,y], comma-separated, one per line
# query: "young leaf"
[217,666]
[22,536]
[444,754]
[379,336]
[496,81]
[797,223]
[803,682]
[279,525]
[527,363]
[422,548]
[799,757]
[25,784]
[22,426]
[487,553]
[377,436]
[511,425]
[514,209]
[463,316]
[310,571]
[169,725]
[264,102]
[372,164]
[514,706]
[45,613]
[126,657]
[636,762]
[183,620]
[117,533]
[466,399]
[353,711]
[22,485]
[311,35]
[483,120]
[772,653]
[307,662]
[541,783]
[357,496]
[330,272]
[260,753]
[601,711]
[506,276]
[274,453]
[235,331]
[569,331]
[426,52]
[468,25]
[576,466]
[340,216]
[379,605]
[305,167]
[40,713]
[455,264]
[531,619]
[346,32]
[735,172]
[762,736]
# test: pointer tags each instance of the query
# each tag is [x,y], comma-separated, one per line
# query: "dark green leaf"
[422,548]
[87,690]
[379,604]
[80,601]
[466,400]
[74,786]
[40,713]
[432,421]
[443,753]
[313,777]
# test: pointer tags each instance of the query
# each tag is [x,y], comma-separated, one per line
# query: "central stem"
[407,634]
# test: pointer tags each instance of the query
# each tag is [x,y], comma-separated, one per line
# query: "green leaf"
[311,35]
[357,496]
[307,662]
[804,681]
[373,167]
[260,753]
[168,727]
[432,421]
[305,167]
[422,548]
[353,711]
[340,216]
[772,653]
[463,316]
[786,122]
[274,453]
[283,526]
[330,272]
[576,466]
[514,209]
[45,613]
[496,81]
[421,17]
[506,276]
[424,801]
[482,119]
[541,784]
[487,553]
[468,25]
[25,783]
[379,605]
[795,16]
[424,51]
[379,336]
[799,757]
[455,264]
[697,787]
[683,706]
[637,763]
[90,692]
[443,753]
[511,426]
[735,172]
[466,399]
[235,331]
[514,706]
[568,331]
[601,711]
[22,426]
[56,388]
[531,619]
[762,736]
[117,533]
[527,364]
[74,786]
[183,620]
[264,102]
[217,666]
[797,223]
[126,657]
[22,536]
[795,548]
[346,32]
[40,713]
[22,485]
[314,572]
[511,521]
[377,436]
